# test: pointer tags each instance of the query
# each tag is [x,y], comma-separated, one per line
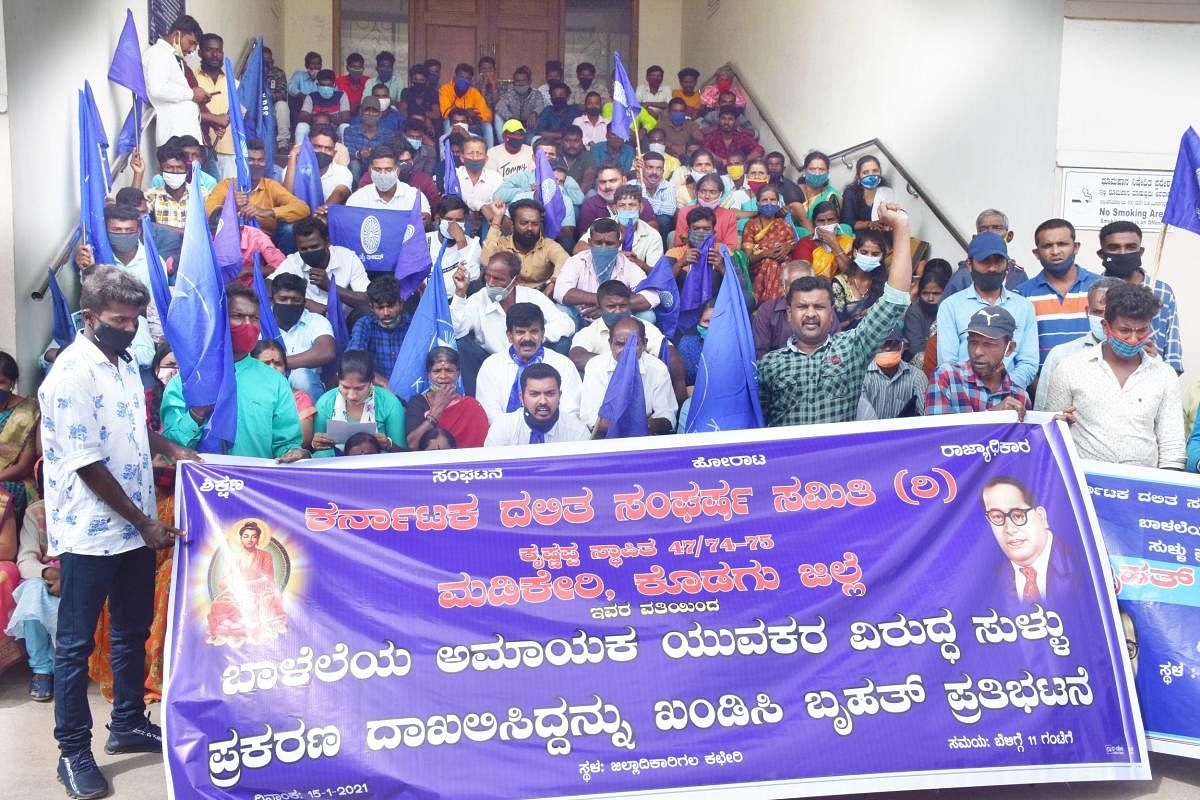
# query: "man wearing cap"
[980,382]
[987,257]
[513,155]
[894,387]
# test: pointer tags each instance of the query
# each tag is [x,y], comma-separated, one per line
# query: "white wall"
[41,128]
[964,92]
[1129,90]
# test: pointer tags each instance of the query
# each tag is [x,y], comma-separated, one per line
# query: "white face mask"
[384,103]
[384,181]
[174,180]
[658,147]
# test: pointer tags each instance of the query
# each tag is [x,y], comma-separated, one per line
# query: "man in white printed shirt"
[539,418]
[101,522]
[498,387]
[661,405]
[483,315]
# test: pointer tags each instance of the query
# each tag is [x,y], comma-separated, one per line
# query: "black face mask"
[1121,265]
[324,160]
[114,339]
[287,314]
[538,424]
[987,281]
[315,258]
[929,308]
[404,169]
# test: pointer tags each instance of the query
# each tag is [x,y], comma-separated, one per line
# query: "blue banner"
[1150,519]
[631,617]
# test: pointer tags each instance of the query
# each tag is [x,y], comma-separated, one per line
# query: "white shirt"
[402,200]
[579,272]
[1138,423]
[510,429]
[468,256]
[663,95]
[509,164]
[656,384]
[486,321]
[493,385]
[1053,359]
[594,338]
[1040,564]
[93,411]
[647,245]
[478,194]
[302,336]
[344,268]
[335,175]
[175,113]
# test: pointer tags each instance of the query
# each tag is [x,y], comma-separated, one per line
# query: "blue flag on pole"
[93,185]
[624,403]
[726,393]
[127,140]
[237,129]
[267,326]
[550,194]
[341,332]
[375,235]
[697,287]
[126,67]
[431,327]
[99,134]
[227,241]
[450,183]
[63,327]
[414,264]
[662,280]
[307,183]
[627,239]
[198,328]
[255,97]
[625,105]
[160,285]
[1183,202]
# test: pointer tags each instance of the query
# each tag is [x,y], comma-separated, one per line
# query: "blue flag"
[126,67]
[662,280]
[550,194]
[237,129]
[625,105]
[726,393]
[267,326]
[431,327]
[1183,202]
[624,403]
[198,329]
[130,136]
[160,284]
[627,239]
[375,235]
[341,333]
[93,185]
[450,183]
[307,183]
[255,96]
[697,287]
[63,327]
[227,241]
[414,264]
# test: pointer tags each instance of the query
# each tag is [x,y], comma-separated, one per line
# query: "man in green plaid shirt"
[817,377]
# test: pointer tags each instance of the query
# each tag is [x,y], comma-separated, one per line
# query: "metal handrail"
[63,254]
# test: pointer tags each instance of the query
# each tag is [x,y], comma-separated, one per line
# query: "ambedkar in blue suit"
[1038,567]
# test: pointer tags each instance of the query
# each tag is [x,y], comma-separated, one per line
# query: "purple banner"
[764,614]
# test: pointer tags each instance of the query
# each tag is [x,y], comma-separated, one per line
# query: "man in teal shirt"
[267,423]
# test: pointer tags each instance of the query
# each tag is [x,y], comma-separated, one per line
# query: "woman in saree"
[441,406]
[768,240]
[19,418]
[816,188]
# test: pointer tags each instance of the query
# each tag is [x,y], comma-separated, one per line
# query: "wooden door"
[526,32]
[452,31]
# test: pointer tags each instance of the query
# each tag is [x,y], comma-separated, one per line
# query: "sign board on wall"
[162,14]
[1092,198]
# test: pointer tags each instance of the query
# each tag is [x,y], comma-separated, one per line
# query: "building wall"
[307,25]
[659,39]
[41,132]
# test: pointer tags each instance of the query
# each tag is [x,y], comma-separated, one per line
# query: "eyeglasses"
[1132,647]
[1018,516]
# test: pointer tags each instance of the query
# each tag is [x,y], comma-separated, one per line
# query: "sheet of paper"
[340,431]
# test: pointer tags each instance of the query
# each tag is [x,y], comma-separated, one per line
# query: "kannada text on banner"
[786,613]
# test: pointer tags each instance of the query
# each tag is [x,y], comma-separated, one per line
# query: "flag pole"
[1162,240]
[637,145]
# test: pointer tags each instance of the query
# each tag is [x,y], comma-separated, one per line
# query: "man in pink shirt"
[581,275]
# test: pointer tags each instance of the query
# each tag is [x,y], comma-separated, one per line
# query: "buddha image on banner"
[246,581]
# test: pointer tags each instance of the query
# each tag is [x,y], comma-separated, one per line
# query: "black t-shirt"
[421,98]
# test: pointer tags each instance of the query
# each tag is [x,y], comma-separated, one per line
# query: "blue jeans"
[126,580]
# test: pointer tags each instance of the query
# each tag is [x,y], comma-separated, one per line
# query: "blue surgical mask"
[768,209]
[627,216]
[1124,349]
[677,117]
[702,331]
[871,181]
[326,91]
[816,179]
[444,229]
[461,85]
[415,144]
[1096,326]
[1061,269]
[611,318]
[867,263]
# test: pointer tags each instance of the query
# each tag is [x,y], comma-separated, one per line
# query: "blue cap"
[986,244]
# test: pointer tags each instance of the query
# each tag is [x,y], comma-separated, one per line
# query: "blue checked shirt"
[383,345]
[1164,329]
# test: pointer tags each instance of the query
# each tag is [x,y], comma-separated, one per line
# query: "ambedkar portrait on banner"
[1038,566]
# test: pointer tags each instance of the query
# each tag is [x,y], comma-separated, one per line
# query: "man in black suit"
[1038,566]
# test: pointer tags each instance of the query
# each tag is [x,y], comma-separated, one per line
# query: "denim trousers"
[126,580]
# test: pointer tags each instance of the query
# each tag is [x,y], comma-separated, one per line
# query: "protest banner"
[767,614]
[1150,519]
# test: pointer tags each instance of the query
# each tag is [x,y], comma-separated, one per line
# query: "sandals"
[41,688]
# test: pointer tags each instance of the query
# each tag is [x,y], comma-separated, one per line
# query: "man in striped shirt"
[1059,291]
